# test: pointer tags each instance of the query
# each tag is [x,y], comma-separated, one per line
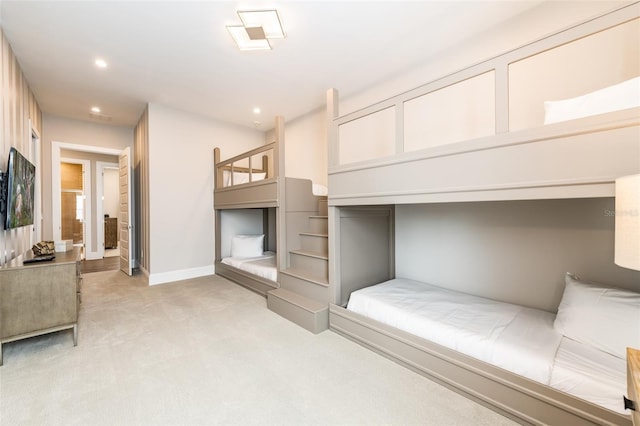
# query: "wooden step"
[301,282]
[319,224]
[317,264]
[313,242]
[307,313]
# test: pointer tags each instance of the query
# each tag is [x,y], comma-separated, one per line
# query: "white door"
[125,216]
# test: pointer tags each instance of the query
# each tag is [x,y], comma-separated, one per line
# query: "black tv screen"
[21,175]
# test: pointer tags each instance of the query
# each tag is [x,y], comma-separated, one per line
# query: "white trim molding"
[182,274]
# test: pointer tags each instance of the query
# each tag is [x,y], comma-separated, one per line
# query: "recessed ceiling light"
[101,63]
[257,110]
[95,109]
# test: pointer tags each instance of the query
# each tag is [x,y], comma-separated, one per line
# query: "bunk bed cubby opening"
[247,247]
[496,192]
[516,252]
[364,239]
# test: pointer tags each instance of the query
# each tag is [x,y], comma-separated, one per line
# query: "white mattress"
[241,177]
[590,374]
[263,266]
[516,338]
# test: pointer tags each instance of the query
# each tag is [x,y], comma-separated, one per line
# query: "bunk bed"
[498,143]
[248,191]
[263,229]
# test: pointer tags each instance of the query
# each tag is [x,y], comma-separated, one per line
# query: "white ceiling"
[179,53]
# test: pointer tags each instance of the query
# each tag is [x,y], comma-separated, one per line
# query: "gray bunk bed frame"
[291,198]
[369,190]
[267,193]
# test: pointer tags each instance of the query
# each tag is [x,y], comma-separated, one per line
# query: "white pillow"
[247,245]
[613,98]
[604,317]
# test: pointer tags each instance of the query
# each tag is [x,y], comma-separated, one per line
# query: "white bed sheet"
[263,266]
[516,338]
[590,374]
[319,190]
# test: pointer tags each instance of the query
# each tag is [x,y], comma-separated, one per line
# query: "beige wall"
[180,198]
[58,129]
[17,107]
[306,147]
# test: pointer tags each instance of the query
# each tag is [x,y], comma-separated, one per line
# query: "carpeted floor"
[206,351]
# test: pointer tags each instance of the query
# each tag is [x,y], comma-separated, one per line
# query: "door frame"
[56,201]
[100,167]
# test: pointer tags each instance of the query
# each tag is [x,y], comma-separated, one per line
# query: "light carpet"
[207,351]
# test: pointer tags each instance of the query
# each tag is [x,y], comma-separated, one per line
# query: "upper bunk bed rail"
[370,147]
[246,157]
[252,179]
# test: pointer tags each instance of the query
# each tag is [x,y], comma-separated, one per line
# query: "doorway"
[74,209]
[107,205]
[92,236]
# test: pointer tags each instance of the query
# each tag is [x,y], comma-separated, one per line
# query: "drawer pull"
[629,404]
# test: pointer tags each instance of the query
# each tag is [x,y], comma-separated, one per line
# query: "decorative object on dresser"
[110,232]
[39,298]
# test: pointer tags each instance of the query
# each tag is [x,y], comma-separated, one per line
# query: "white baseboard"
[183,274]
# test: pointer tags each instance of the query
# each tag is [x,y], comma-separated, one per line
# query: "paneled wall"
[18,107]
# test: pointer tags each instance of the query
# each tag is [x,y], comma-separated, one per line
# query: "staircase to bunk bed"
[304,285]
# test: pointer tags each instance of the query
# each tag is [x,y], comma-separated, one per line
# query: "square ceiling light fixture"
[258,27]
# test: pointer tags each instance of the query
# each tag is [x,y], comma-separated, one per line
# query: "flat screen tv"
[19,187]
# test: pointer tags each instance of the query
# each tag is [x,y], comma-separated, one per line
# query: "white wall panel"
[459,112]
[368,138]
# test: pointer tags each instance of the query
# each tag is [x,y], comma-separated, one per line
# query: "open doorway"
[74,184]
[94,217]
[107,208]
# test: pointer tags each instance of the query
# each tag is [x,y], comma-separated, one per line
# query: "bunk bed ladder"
[303,294]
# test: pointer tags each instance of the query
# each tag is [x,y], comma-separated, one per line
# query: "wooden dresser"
[633,382]
[39,298]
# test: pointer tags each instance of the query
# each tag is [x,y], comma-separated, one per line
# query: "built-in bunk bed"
[470,217]
[269,235]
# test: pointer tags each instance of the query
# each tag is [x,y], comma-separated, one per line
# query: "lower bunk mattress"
[516,338]
[262,266]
